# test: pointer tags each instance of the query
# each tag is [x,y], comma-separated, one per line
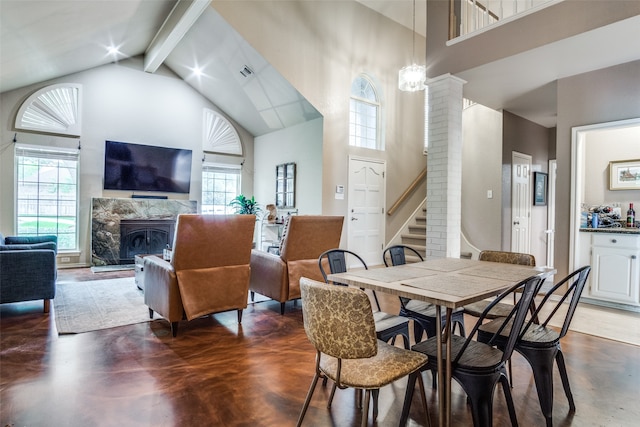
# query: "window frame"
[355,116]
[56,154]
[225,169]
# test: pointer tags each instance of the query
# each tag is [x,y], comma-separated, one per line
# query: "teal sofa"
[28,269]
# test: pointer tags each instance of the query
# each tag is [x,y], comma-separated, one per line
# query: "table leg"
[447,337]
[441,373]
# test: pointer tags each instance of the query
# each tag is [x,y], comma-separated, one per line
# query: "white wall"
[123,103]
[602,147]
[302,145]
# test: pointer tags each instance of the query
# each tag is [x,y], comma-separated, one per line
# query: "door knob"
[354,219]
[516,223]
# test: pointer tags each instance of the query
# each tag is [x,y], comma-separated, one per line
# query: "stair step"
[414,236]
[421,219]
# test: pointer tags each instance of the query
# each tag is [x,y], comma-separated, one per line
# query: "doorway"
[520,202]
[365,219]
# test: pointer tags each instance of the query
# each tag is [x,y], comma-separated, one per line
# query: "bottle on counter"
[594,220]
[631,216]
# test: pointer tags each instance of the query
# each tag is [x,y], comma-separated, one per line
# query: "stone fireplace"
[123,228]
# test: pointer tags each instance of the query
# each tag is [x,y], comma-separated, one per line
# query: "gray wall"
[120,102]
[481,172]
[606,95]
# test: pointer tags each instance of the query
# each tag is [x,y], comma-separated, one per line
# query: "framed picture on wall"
[540,188]
[624,175]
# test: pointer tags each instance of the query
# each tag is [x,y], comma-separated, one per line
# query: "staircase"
[416,236]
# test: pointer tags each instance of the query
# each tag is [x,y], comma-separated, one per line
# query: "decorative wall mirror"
[286,185]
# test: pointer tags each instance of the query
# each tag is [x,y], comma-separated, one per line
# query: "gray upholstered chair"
[338,320]
[28,269]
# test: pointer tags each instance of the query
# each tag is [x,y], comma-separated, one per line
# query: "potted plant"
[244,205]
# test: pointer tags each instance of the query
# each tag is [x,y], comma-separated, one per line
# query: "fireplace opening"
[144,237]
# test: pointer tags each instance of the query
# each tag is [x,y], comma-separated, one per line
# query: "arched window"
[364,115]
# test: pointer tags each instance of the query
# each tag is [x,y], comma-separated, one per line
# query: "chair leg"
[541,361]
[239,316]
[365,408]
[333,391]
[506,388]
[282,304]
[308,399]
[253,296]
[375,393]
[150,314]
[174,329]
[565,379]
[408,397]
[479,389]
[47,305]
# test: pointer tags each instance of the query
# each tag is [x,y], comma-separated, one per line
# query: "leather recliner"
[208,272]
[304,238]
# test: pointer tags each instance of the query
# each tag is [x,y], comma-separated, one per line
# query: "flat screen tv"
[137,167]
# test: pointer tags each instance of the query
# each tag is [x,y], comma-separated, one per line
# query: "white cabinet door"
[614,275]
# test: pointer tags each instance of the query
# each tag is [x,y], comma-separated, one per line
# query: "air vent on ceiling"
[246,71]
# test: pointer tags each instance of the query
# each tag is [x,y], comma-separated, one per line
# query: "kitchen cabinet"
[615,275]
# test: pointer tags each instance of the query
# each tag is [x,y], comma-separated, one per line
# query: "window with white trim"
[47,194]
[364,115]
[220,185]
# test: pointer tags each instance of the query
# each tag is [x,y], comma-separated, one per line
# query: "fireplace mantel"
[106,214]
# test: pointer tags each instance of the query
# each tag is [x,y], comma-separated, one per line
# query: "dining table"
[448,283]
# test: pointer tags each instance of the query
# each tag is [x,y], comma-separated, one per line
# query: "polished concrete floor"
[219,373]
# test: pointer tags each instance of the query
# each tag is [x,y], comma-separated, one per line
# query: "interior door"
[366,209]
[520,202]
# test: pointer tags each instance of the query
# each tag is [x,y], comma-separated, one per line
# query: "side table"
[139,269]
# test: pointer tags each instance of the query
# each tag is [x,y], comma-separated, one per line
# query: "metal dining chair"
[479,366]
[422,313]
[540,344]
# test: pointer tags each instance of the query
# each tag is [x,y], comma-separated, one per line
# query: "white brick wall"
[444,167]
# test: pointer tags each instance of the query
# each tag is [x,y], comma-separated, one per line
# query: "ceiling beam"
[180,20]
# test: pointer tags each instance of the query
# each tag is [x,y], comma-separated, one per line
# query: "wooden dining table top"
[448,282]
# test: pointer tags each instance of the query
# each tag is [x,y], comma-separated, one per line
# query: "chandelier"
[412,77]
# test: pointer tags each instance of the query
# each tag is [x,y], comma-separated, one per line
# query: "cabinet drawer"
[616,240]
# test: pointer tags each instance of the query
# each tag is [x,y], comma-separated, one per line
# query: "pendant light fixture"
[412,77]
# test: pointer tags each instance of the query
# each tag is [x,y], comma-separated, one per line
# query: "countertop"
[612,230]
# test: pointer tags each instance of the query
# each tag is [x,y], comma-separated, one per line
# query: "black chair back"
[396,255]
[529,288]
[575,285]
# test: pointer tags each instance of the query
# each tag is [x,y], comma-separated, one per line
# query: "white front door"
[520,202]
[366,209]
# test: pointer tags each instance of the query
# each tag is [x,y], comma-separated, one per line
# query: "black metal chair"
[388,326]
[540,345]
[479,366]
[422,313]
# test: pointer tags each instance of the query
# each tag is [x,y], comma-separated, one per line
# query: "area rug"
[603,322]
[98,304]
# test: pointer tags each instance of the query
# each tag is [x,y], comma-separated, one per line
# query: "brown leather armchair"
[304,238]
[208,272]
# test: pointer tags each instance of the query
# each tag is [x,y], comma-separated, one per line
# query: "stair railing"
[405,195]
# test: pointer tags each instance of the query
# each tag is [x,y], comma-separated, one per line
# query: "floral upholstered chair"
[339,323]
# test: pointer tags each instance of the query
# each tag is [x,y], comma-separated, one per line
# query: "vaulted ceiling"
[44,39]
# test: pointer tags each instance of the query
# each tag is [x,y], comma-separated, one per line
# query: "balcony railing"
[469,16]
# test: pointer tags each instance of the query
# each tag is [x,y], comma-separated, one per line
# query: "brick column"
[444,167]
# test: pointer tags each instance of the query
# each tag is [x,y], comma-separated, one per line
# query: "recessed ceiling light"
[197,71]
[113,50]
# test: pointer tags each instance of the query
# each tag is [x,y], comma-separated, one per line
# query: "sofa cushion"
[47,245]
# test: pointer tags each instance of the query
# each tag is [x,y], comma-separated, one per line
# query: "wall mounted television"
[137,167]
